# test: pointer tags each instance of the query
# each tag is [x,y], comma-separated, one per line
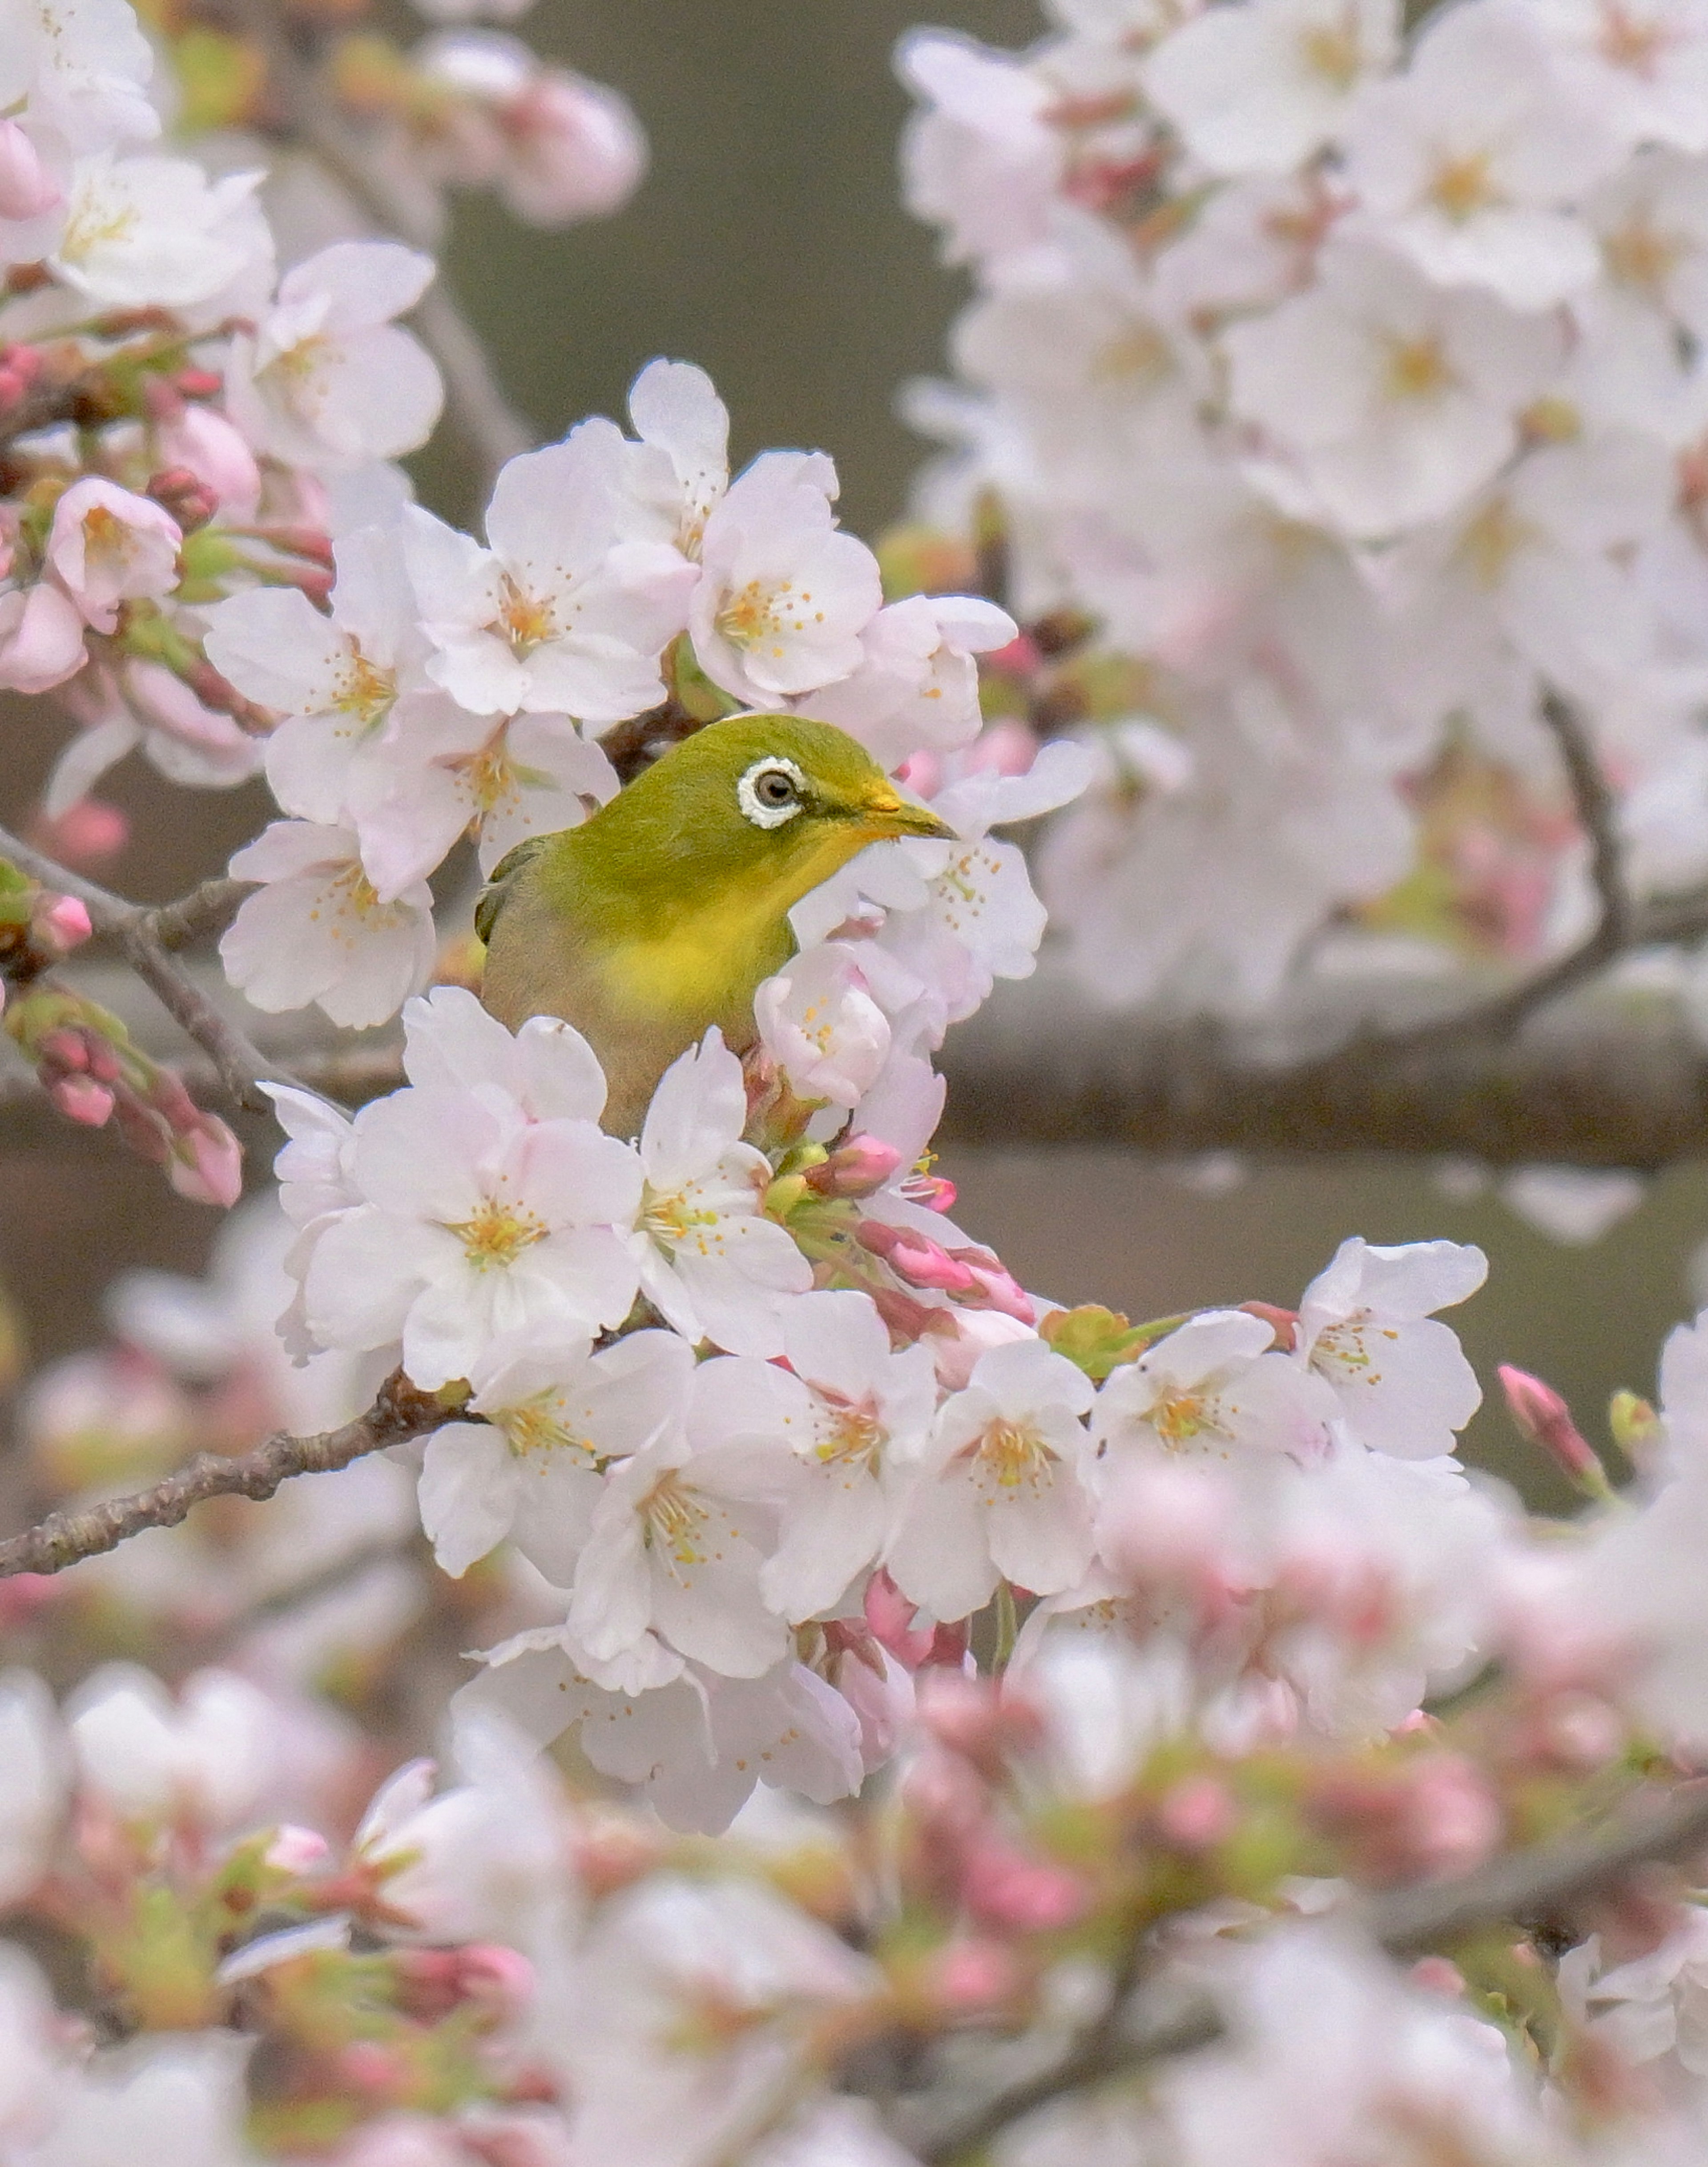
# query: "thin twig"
[1619,926]
[479,411]
[398,1413]
[205,910]
[1524,1887]
[146,936]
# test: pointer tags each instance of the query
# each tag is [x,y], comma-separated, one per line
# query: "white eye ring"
[755,808]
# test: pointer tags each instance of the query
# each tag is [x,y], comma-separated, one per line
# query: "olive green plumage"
[661,915]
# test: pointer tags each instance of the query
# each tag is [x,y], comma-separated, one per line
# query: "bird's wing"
[505,874]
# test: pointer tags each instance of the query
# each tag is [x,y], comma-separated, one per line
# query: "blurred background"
[769,244]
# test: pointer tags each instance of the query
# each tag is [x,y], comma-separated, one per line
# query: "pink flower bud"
[490,1973]
[213,452]
[65,924]
[576,150]
[1196,1814]
[63,1049]
[207,1164]
[295,1850]
[41,638]
[1439,1975]
[1546,1420]
[20,366]
[858,1168]
[85,835]
[183,494]
[987,1722]
[891,1615]
[976,1973]
[27,188]
[1003,1887]
[81,1099]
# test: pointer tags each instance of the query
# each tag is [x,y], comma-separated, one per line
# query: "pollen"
[675,1221]
[674,1520]
[524,621]
[764,611]
[1494,538]
[537,1426]
[1461,187]
[1640,255]
[1331,50]
[498,1234]
[1012,1455]
[849,1434]
[1180,1419]
[1417,369]
[364,689]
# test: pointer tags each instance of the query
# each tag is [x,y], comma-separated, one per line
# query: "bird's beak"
[891,814]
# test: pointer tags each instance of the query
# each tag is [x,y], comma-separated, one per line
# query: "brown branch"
[1525,1888]
[146,936]
[307,109]
[398,1413]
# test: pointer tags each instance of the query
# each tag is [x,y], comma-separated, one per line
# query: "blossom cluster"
[189,388]
[1334,390]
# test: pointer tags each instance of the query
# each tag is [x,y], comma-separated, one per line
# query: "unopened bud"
[1635,1425]
[974,1974]
[1196,1814]
[294,1850]
[207,1164]
[185,496]
[62,924]
[81,1099]
[1545,1419]
[858,1168]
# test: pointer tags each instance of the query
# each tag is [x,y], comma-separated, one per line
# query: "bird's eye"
[771,792]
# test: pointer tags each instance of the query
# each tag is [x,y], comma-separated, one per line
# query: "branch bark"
[64,1539]
[146,937]
[1524,1887]
[482,416]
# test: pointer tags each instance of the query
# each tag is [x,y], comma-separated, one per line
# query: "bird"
[660,915]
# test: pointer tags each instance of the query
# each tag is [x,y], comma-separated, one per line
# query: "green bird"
[662,914]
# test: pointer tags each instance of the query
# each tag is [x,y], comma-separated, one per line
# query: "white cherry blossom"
[328,381]
[854,1415]
[110,546]
[676,1545]
[1385,400]
[335,679]
[1642,65]
[1214,1389]
[820,1025]
[151,232]
[981,159]
[477,1224]
[546,1071]
[1254,89]
[710,1261]
[783,597]
[1002,1489]
[917,686]
[1364,1326]
[552,1419]
[1468,161]
[317,931]
[562,613]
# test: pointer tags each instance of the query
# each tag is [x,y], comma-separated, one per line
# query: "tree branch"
[482,416]
[146,937]
[398,1413]
[1524,1887]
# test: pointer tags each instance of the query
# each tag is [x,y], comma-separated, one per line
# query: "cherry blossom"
[708,1259]
[328,380]
[1003,1488]
[110,547]
[476,1223]
[783,597]
[317,930]
[560,613]
[1216,1388]
[1365,1327]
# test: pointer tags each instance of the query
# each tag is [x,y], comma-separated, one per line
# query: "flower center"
[1344,1347]
[765,610]
[364,690]
[849,1435]
[1417,369]
[1493,539]
[537,1425]
[498,1233]
[671,1520]
[1640,255]
[525,621]
[1013,1453]
[1332,51]
[1179,1417]
[673,1220]
[1462,187]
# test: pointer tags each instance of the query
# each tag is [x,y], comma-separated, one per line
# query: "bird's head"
[777,803]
